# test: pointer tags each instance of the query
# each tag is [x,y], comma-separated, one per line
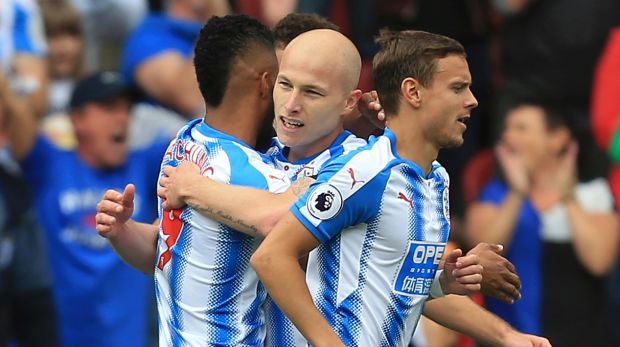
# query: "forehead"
[304,67]
[453,68]
[526,113]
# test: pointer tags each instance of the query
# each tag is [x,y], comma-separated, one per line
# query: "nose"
[471,101]
[121,115]
[292,104]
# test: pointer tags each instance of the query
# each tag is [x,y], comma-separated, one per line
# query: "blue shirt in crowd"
[101,301]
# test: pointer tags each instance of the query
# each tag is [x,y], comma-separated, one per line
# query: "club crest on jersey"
[307,171]
[418,268]
[324,202]
[446,203]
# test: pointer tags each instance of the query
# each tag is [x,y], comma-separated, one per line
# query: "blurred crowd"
[91,92]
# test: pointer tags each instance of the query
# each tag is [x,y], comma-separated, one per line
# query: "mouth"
[463,120]
[290,124]
[119,138]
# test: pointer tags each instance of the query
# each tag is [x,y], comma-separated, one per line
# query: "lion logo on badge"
[324,202]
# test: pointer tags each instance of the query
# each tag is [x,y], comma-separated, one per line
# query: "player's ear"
[352,100]
[266,85]
[410,91]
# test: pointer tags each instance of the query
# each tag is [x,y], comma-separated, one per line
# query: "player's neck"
[296,153]
[234,121]
[411,143]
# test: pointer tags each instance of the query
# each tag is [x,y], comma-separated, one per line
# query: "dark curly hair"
[296,24]
[221,41]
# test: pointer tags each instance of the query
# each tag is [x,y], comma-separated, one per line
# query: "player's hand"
[370,107]
[517,339]
[566,175]
[462,274]
[513,168]
[114,210]
[173,186]
[499,276]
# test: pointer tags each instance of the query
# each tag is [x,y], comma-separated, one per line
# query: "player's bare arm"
[134,242]
[276,263]
[463,315]
[20,118]
[170,78]
[248,210]
[33,68]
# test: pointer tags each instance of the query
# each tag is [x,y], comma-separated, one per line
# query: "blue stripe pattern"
[232,256]
[328,258]
[352,306]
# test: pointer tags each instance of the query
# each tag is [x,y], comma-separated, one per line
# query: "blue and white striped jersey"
[310,167]
[207,292]
[280,330]
[383,225]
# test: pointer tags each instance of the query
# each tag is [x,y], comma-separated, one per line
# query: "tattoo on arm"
[301,185]
[225,218]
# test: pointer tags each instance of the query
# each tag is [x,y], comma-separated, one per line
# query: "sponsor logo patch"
[418,268]
[324,202]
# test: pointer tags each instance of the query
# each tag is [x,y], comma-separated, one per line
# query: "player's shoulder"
[257,170]
[349,141]
[362,164]
[276,149]
[439,171]
[376,148]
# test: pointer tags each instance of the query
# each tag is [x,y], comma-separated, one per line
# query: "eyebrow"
[462,83]
[318,88]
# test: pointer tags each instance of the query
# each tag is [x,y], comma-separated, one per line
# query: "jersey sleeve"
[344,194]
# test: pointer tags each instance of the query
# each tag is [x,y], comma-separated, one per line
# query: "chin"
[285,140]
[114,162]
[452,143]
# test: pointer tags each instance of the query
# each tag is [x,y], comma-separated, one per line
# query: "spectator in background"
[548,51]
[26,306]
[65,41]
[294,24]
[359,21]
[269,12]
[66,65]
[22,52]
[66,186]
[561,234]
[158,54]
[106,23]
[63,30]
